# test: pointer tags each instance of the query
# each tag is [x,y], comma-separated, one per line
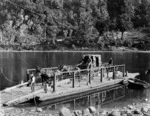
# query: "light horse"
[67,71]
[65,68]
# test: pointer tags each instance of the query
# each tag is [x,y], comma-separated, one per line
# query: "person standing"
[32,82]
[110,61]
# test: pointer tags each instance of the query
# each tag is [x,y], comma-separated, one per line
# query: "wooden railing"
[99,70]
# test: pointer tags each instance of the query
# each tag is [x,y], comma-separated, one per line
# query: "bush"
[128,43]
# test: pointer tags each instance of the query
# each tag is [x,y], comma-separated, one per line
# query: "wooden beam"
[113,72]
[89,76]
[101,79]
[73,81]
[74,104]
[124,71]
[54,83]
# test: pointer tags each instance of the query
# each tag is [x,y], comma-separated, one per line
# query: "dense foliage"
[76,23]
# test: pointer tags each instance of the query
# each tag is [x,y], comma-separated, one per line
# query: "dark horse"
[46,75]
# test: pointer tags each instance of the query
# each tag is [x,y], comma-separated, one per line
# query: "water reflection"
[95,99]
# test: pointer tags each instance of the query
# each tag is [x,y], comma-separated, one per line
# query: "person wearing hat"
[32,82]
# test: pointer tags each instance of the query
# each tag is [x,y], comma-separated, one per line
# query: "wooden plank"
[14,87]
[29,96]
[77,90]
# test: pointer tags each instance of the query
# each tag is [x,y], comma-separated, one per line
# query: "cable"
[23,60]
[7,77]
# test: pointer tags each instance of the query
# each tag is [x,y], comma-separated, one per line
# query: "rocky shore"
[136,109]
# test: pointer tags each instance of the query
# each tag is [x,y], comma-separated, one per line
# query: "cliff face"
[33,22]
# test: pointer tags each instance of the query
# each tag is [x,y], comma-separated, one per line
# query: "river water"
[14,64]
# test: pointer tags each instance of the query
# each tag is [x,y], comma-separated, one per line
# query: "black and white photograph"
[74,57]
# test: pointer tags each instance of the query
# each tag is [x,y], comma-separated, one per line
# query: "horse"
[68,70]
[47,75]
[64,68]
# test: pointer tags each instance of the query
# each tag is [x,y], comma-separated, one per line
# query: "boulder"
[144,109]
[39,110]
[137,112]
[64,112]
[103,113]
[115,113]
[124,114]
[130,114]
[86,112]
[78,113]
[92,109]
[2,113]
[22,110]
[131,107]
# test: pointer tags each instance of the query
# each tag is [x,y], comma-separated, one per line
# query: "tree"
[121,13]
[141,14]
[124,23]
[101,16]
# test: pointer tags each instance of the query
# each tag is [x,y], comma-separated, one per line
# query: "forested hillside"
[74,24]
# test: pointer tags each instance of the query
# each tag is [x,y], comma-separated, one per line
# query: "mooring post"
[113,72]
[55,106]
[74,104]
[73,81]
[123,70]
[90,76]
[89,100]
[101,79]
[54,83]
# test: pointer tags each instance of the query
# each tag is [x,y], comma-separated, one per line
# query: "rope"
[7,77]
[23,60]
[5,74]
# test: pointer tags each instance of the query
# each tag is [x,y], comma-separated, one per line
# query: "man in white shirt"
[32,82]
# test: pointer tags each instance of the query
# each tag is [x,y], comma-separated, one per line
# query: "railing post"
[101,79]
[73,81]
[113,72]
[28,75]
[123,70]
[54,83]
[74,104]
[90,75]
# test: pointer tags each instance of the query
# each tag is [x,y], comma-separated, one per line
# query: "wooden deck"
[22,94]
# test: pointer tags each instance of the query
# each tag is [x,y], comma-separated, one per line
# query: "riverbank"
[135,109]
[120,49]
